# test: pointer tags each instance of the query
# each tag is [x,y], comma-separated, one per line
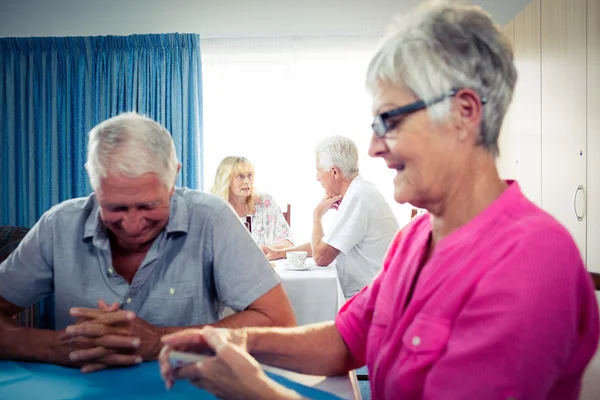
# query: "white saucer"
[307,265]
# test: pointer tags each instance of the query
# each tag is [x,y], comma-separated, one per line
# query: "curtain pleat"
[54,90]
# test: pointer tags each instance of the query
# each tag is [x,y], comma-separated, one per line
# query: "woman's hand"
[271,253]
[230,374]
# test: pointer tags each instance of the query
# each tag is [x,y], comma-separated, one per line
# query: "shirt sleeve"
[493,348]
[354,319]
[350,226]
[241,272]
[26,275]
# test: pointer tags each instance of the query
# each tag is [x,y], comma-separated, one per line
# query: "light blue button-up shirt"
[204,259]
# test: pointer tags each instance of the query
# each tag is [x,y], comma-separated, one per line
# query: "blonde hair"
[228,169]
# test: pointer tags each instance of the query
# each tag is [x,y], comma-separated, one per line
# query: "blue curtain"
[54,90]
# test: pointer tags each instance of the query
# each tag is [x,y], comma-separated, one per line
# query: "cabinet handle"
[579,188]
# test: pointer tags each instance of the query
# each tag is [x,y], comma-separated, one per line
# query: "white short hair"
[338,151]
[445,45]
[133,145]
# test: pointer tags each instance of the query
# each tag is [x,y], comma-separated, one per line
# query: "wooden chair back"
[288,214]
[596,279]
[10,237]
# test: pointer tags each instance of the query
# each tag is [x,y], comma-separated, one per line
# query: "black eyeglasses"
[380,126]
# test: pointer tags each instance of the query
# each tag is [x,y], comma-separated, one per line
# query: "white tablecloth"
[315,294]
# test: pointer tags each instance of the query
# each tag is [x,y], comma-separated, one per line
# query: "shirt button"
[110,271]
[416,340]
[129,300]
[172,291]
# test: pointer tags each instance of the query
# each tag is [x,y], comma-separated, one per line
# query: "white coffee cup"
[296,258]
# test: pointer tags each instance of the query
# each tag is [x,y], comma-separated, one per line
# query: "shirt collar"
[178,219]
[93,227]
[484,222]
[352,185]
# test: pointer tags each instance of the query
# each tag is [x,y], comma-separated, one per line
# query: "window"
[271,100]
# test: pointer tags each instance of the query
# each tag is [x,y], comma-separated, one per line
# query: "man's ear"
[176,173]
[336,172]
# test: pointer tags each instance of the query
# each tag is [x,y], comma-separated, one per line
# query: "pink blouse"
[503,309]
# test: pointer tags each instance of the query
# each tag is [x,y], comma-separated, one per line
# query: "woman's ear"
[470,113]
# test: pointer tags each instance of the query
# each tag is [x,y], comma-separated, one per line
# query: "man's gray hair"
[445,45]
[133,145]
[338,151]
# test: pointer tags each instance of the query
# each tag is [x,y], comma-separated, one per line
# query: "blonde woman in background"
[234,182]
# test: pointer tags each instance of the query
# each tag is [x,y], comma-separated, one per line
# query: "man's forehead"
[112,198]
[128,203]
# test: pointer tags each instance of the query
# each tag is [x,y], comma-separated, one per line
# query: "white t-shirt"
[363,228]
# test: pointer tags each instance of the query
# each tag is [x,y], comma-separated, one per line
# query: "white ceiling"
[213,18]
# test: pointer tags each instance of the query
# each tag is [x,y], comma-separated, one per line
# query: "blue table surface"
[32,381]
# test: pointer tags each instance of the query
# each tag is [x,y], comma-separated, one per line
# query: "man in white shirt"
[364,224]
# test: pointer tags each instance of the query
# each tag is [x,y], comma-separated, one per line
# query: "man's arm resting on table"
[316,349]
[271,309]
[26,344]
[29,344]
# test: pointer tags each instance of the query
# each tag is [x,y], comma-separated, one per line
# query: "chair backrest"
[596,279]
[288,214]
[10,237]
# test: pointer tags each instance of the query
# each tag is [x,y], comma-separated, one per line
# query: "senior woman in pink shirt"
[484,297]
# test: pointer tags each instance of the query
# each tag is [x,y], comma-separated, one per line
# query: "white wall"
[212,18]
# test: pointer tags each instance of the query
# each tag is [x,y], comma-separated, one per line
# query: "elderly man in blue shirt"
[135,260]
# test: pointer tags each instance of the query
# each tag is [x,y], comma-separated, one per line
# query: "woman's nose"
[377,146]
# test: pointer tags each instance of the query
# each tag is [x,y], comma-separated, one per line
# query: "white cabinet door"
[564,114]
[521,138]
[593,136]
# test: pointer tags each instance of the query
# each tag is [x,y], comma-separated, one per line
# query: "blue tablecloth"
[33,381]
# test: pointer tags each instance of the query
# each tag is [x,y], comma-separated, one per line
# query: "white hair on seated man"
[338,151]
[133,145]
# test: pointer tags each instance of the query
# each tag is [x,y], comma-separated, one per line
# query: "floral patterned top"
[268,224]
